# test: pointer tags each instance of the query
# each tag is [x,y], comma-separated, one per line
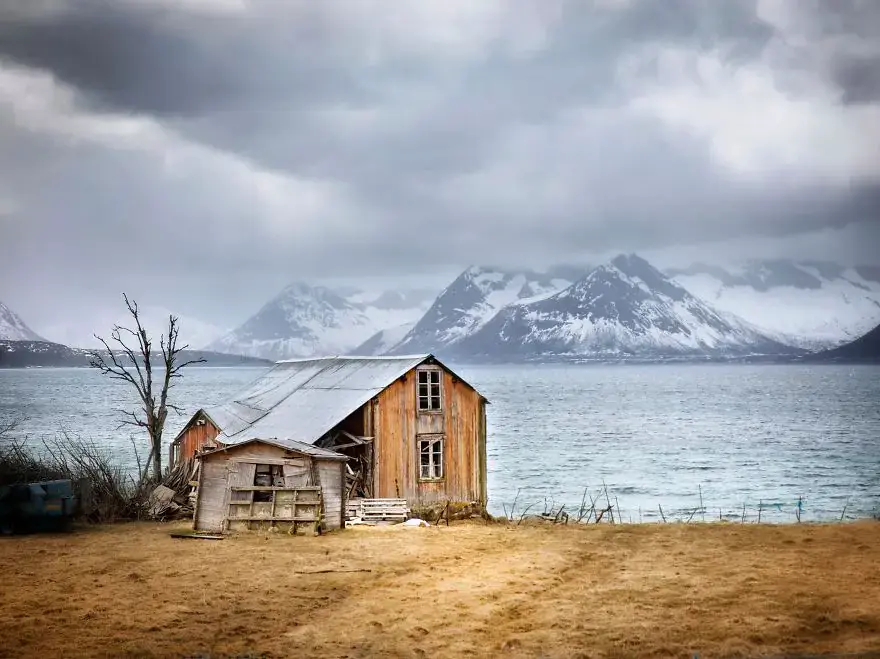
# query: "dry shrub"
[114,494]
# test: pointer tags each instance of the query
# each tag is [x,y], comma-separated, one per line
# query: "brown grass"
[720,590]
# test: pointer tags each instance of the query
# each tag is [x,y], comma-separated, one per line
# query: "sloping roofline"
[286,444]
[414,361]
[423,357]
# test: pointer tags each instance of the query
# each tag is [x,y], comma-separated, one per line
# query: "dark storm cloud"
[304,139]
[130,56]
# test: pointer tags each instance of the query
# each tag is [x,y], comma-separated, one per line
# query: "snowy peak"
[307,321]
[472,300]
[811,304]
[383,341]
[13,328]
[624,308]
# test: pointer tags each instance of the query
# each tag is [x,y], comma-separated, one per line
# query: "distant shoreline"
[44,354]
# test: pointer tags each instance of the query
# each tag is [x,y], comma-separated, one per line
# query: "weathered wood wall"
[194,438]
[332,476]
[210,511]
[212,501]
[397,426]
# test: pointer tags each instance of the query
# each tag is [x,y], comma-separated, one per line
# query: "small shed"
[263,483]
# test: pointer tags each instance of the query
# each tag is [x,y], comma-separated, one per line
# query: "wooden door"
[240,503]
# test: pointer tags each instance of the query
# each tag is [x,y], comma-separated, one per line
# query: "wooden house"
[269,482]
[410,427]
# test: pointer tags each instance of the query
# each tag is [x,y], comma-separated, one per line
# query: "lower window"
[431,458]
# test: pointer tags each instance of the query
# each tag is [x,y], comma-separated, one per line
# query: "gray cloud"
[226,148]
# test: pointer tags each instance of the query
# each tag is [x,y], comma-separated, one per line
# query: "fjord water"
[744,435]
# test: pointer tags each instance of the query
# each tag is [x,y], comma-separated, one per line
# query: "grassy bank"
[470,589]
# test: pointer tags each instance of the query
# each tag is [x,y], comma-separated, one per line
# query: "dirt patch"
[470,589]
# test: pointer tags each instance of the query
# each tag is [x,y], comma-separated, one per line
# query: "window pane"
[435,377]
[423,390]
[435,390]
[424,403]
[423,377]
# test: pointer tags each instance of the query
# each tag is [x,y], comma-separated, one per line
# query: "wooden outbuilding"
[410,427]
[263,483]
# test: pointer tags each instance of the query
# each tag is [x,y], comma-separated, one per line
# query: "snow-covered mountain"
[626,308]
[13,328]
[305,321]
[383,340]
[809,304]
[471,301]
[865,349]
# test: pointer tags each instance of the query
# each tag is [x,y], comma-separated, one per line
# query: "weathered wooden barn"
[269,482]
[410,427]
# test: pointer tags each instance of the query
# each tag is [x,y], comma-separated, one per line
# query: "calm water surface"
[657,435]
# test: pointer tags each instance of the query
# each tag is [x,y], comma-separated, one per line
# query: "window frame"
[440,397]
[431,440]
[275,472]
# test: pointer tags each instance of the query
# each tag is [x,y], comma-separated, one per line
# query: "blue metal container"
[34,507]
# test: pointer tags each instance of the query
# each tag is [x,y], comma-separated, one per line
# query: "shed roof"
[288,444]
[302,399]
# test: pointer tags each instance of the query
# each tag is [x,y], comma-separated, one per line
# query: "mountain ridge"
[303,320]
[626,308]
[13,327]
[45,354]
[865,349]
[811,304]
[471,300]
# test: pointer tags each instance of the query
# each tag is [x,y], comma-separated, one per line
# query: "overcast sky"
[202,153]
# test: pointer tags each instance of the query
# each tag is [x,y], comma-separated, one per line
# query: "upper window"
[430,398]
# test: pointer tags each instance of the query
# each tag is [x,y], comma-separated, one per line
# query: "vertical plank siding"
[195,437]
[397,426]
[236,466]
[210,512]
[332,488]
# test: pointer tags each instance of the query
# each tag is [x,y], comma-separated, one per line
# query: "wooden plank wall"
[212,498]
[330,473]
[397,425]
[196,437]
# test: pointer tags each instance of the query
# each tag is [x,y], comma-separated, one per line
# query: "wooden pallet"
[377,510]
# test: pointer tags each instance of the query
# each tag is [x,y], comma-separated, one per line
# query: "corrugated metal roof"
[302,399]
[290,445]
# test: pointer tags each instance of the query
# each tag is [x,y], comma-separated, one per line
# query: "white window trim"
[430,369]
[431,439]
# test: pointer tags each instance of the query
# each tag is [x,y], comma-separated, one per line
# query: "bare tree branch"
[139,374]
[8,427]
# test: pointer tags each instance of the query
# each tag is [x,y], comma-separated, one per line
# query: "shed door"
[239,504]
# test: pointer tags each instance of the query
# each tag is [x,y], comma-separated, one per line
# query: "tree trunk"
[157,456]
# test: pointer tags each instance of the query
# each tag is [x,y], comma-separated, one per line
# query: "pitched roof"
[302,399]
[290,445]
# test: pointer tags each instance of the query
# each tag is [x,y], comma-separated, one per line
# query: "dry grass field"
[471,589]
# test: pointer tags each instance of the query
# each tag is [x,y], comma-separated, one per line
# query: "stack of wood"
[175,497]
[355,479]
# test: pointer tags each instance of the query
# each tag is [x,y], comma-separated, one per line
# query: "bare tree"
[134,365]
